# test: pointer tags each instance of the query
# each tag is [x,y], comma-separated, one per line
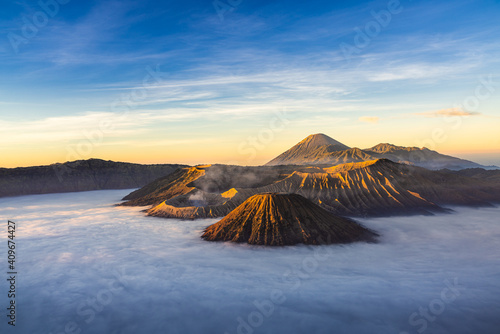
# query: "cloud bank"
[105,269]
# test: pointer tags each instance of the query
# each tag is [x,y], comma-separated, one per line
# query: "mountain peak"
[321,139]
[307,147]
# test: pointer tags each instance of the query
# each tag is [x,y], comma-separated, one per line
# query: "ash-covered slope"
[172,185]
[204,179]
[285,219]
[382,187]
[81,175]
[371,188]
[321,149]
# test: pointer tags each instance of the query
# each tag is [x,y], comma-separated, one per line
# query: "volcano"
[273,219]
[319,149]
[313,148]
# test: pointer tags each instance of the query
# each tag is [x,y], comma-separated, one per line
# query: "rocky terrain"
[81,175]
[371,188]
[320,149]
[492,175]
[278,220]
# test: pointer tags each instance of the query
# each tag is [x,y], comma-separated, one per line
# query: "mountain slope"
[308,149]
[359,189]
[187,182]
[81,175]
[491,176]
[169,186]
[372,188]
[279,220]
[422,157]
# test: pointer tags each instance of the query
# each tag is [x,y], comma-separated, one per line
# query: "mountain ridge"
[79,175]
[318,151]
[369,188]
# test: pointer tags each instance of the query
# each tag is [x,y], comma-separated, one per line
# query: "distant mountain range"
[81,175]
[344,180]
[492,176]
[370,188]
[319,149]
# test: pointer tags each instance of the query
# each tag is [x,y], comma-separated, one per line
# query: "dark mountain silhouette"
[320,149]
[285,219]
[81,175]
[492,176]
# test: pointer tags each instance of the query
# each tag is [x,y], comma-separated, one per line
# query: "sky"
[240,81]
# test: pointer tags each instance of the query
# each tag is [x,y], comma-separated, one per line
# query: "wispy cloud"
[369,119]
[416,71]
[65,128]
[448,113]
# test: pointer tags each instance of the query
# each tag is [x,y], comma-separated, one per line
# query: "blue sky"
[412,80]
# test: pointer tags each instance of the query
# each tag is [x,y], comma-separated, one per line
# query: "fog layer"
[86,266]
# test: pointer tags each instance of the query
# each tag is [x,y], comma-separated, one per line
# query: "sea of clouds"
[86,266]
